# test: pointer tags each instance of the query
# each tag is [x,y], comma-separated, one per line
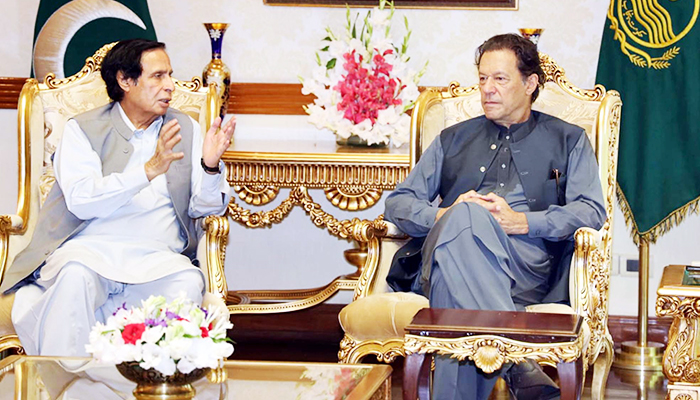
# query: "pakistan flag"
[66,32]
[650,53]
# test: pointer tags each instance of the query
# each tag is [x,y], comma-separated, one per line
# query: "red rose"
[205,331]
[133,332]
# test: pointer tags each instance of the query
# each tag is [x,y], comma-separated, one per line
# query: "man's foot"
[527,381]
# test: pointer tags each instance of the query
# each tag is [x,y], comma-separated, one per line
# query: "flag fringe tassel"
[672,220]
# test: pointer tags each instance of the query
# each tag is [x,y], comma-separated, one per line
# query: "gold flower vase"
[216,71]
[152,385]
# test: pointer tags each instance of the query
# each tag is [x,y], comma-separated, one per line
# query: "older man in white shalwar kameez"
[118,225]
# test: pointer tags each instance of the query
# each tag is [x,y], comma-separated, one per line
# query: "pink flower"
[133,332]
[364,94]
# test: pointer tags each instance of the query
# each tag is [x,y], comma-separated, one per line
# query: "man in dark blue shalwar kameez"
[514,185]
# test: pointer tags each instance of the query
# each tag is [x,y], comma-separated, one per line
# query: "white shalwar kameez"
[129,250]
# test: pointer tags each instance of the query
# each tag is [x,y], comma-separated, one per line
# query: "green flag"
[650,53]
[67,32]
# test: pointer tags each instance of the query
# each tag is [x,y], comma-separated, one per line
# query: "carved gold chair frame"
[598,112]
[43,110]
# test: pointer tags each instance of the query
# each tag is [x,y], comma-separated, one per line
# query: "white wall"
[276,44]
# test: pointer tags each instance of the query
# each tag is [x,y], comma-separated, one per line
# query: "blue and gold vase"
[216,71]
[532,34]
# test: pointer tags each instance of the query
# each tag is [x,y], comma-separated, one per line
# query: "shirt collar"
[519,131]
[155,124]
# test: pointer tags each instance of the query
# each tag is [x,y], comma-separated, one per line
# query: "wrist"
[210,170]
[524,226]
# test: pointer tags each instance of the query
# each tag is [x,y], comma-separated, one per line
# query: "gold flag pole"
[642,354]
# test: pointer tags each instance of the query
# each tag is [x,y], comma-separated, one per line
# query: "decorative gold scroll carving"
[681,359]
[216,239]
[683,396]
[8,342]
[352,351]
[490,352]
[555,73]
[256,194]
[353,197]
[92,64]
[356,229]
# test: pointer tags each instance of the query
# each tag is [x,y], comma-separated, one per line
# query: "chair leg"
[571,379]
[601,369]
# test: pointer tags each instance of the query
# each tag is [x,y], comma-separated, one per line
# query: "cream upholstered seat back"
[44,109]
[593,110]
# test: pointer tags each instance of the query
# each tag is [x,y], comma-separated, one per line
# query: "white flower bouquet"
[363,83]
[168,337]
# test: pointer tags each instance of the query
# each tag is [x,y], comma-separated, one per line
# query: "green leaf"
[325,48]
[331,63]
[318,59]
[327,38]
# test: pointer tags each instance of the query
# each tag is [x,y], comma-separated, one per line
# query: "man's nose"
[169,84]
[487,86]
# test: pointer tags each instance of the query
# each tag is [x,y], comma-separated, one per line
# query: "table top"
[518,325]
[50,378]
[680,281]
[312,151]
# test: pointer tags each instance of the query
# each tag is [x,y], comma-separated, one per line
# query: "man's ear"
[123,82]
[531,84]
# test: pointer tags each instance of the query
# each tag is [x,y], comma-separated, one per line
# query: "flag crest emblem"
[649,32]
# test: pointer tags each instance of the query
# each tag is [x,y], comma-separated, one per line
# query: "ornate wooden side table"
[490,339]
[678,296]
[352,179]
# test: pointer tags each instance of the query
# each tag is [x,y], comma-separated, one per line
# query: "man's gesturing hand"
[164,155]
[217,141]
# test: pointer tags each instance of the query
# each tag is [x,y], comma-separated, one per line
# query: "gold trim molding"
[356,229]
[490,352]
[352,351]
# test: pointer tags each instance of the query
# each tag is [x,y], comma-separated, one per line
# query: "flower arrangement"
[169,337]
[363,84]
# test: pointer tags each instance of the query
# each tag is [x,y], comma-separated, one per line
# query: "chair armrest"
[585,262]
[590,282]
[10,223]
[389,231]
[211,253]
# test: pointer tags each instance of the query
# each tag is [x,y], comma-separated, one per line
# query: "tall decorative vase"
[216,71]
[532,34]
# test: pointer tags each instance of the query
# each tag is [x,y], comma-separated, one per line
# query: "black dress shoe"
[527,381]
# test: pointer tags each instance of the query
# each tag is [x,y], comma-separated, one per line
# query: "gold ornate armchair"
[374,322]
[43,110]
